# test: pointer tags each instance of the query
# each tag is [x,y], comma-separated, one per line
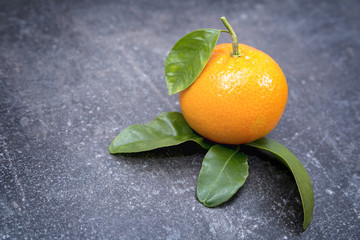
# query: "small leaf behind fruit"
[188,58]
[168,129]
[223,172]
[298,170]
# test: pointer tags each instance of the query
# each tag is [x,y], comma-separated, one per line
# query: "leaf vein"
[221,171]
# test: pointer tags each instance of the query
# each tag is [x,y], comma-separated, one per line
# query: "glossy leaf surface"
[188,58]
[168,129]
[298,170]
[223,172]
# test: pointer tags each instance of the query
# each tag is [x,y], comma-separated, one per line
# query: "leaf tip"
[306,223]
[171,89]
[305,226]
[207,203]
[111,150]
[171,92]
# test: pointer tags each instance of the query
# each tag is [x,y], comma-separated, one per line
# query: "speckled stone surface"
[73,74]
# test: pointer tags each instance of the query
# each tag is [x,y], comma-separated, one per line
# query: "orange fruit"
[235,100]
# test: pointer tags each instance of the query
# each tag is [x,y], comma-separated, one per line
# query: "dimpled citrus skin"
[235,100]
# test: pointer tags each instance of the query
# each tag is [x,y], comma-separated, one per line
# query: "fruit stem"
[235,43]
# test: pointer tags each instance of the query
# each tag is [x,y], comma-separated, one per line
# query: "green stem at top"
[235,43]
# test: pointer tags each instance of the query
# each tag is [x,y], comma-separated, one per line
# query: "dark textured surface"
[74,74]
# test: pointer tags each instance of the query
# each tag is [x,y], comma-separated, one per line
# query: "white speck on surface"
[24,121]
[243,16]
[328,191]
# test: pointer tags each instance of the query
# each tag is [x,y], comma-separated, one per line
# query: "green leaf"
[223,172]
[168,129]
[298,170]
[188,58]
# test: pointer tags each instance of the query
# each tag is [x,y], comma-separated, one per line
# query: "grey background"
[73,74]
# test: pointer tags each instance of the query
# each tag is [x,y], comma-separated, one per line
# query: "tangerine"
[235,99]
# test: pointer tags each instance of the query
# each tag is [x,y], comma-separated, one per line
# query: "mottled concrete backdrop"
[73,74]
